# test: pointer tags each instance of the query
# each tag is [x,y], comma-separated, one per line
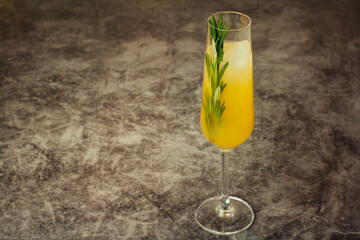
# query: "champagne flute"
[227,113]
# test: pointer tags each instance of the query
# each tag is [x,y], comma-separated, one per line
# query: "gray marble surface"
[99,120]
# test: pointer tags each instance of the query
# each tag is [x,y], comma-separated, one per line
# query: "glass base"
[212,218]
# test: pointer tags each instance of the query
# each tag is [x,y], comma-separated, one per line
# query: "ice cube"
[236,50]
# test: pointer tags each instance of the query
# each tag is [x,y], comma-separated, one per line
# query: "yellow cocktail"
[227,114]
[237,120]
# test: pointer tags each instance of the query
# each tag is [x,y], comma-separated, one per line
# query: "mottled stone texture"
[100,105]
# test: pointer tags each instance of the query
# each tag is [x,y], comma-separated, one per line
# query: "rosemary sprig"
[215,71]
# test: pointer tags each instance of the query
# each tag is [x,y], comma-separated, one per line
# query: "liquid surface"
[237,121]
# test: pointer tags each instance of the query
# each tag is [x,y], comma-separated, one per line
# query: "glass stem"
[225,201]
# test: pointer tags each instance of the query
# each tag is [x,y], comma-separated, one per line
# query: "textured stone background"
[99,120]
